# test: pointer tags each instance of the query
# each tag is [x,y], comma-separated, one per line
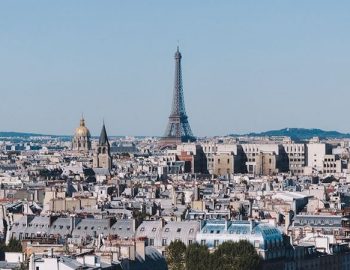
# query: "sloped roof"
[103,137]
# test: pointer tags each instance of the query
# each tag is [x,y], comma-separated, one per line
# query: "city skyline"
[253,70]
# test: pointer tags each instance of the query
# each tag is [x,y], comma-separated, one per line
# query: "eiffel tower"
[178,129]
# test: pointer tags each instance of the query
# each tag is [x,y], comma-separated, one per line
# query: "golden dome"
[82,130]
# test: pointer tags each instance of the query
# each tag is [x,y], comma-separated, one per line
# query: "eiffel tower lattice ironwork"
[178,129]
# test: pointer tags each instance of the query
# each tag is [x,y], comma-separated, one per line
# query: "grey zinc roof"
[36,225]
[149,228]
[63,226]
[91,227]
[153,261]
[124,228]
[323,221]
[184,230]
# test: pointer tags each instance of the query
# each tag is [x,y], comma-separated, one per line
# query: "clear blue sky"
[247,65]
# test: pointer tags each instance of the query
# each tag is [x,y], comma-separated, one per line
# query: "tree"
[235,256]
[197,257]
[13,246]
[175,255]
[139,216]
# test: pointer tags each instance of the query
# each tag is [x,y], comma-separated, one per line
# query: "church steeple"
[103,136]
[102,157]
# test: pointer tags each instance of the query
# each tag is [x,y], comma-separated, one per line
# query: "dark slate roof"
[103,137]
[153,261]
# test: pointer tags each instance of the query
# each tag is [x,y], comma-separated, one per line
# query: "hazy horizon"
[247,66]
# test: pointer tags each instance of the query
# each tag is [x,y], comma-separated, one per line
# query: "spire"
[82,121]
[103,137]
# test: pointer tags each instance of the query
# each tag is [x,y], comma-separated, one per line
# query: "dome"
[82,130]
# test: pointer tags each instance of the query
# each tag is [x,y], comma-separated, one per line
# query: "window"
[203,242]
[228,161]
[190,242]
[219,161]
[164,242]
[216,243]
[191,230]
[151,242]
[154,229]
[166,229]
[142,229]
[178,230]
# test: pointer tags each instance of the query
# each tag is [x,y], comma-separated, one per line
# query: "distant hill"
[19,134]
[300,133]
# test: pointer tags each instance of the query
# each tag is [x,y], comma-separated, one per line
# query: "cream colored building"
[224,164]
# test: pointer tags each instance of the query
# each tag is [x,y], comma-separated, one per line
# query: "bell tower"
[102,156]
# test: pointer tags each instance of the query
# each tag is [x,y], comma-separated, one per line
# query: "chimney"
[50,253]
[252,224]
[250,207]
[174,197]
[140,248]
[287,221]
